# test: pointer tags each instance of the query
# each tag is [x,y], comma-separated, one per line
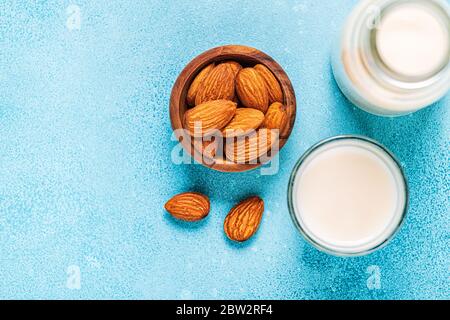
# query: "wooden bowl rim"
[223,53]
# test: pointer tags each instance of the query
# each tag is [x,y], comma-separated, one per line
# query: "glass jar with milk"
[393,56]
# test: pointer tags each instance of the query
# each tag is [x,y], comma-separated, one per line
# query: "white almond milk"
[348,196]
[412,41]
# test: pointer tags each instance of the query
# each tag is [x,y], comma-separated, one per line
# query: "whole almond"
[243,220]
[208,147]
[244,121]
[272,84]
[276,117]
[188,206]
[249,148]
[251,89]
[207,117]
[217,85]
[235,66]
[193,89]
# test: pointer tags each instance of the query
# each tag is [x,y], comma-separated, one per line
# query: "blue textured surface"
[85,163]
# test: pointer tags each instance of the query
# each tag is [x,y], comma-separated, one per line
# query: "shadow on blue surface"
[185,225]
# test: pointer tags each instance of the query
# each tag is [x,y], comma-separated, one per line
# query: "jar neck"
[370,51]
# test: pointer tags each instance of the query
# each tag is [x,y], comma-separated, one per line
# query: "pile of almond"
[238,103]
[241,223]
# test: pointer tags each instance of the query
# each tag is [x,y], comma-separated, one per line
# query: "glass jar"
[320,192]
[393,56]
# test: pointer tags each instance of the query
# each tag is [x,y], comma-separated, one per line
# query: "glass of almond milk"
[393,56]
[348,195]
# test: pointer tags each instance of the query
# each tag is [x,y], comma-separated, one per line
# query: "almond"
[207,148]
[251,89]
[243,220]
[188,206]
[235,66]
[207,117]
[193,89]
[276,117]
[249,148]
[217,85]
[272,84]
[244,121]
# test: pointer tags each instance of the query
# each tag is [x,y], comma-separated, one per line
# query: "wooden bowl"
[246,56]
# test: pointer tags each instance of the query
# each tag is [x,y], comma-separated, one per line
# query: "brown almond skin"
[217,85]
[235,66]
[193,89]
[249,148]
[276,117]
[188,206]
[245,120]
[272,84]
[211,115]
[208,148]
[251,89]
[244,219]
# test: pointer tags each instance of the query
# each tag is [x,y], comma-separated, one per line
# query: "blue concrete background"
[85,165]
